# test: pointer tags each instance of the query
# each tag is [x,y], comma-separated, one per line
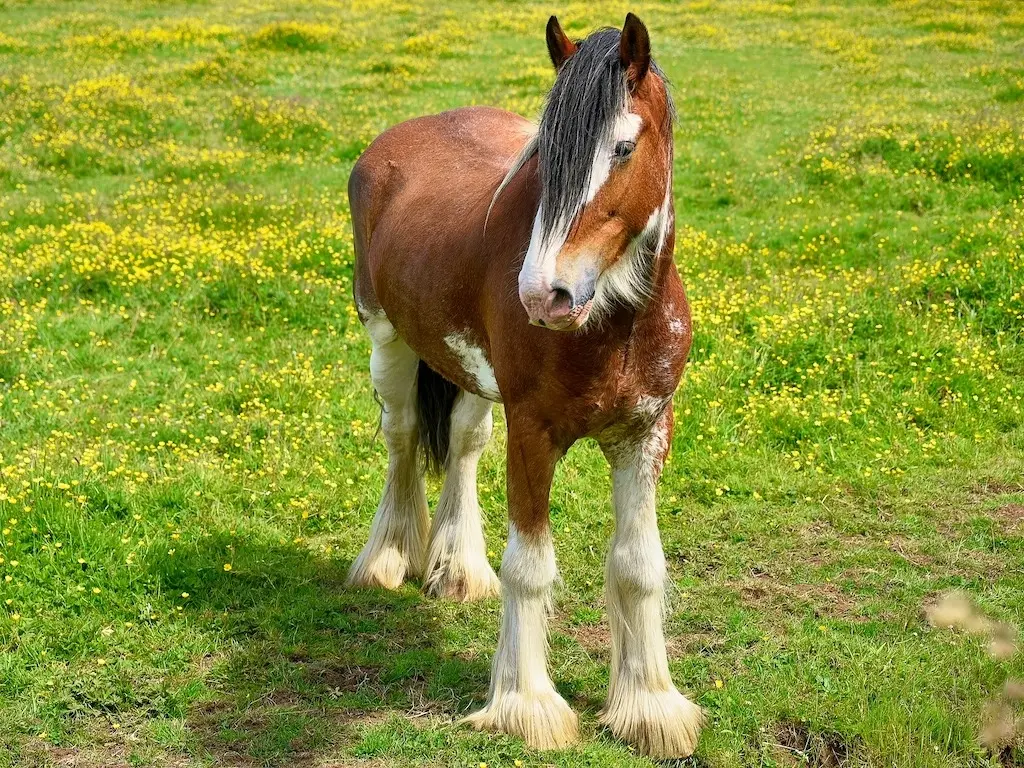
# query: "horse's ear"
[560,47]
[634,50]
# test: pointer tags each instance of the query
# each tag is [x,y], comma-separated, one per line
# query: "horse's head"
[605,158]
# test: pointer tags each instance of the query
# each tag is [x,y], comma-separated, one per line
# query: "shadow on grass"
[308,664]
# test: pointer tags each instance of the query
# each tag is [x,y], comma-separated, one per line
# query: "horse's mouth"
[575,319]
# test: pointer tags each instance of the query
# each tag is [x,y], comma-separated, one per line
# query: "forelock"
[589,93]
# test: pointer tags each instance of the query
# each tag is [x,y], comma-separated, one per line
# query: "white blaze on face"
[475,364]
[627,128]
[539,266]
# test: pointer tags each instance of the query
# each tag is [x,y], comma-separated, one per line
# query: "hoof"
[464,583]
[662,725]
[385,567]
[543,721]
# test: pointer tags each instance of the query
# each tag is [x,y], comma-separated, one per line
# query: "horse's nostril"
[561,301]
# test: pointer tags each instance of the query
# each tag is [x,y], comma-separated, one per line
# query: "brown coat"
[419,196]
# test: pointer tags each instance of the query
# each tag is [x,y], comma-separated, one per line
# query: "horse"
[498,261]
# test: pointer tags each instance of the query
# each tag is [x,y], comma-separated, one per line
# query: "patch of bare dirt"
[987,489]
[1010,517]
[596,639]
[110,755]
[817,530]
[910,551]
[955,512]
[824,598]
[342,678]
[700,643]
[797,744]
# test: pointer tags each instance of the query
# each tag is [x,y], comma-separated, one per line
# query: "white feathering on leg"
[457,565]
[643,707]
[398,536]
[522,699]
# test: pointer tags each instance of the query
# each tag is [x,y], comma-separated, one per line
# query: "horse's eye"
[624,149]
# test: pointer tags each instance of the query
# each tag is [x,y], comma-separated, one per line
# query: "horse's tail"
[435,396]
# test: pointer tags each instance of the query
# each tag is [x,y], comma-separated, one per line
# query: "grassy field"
[188,460]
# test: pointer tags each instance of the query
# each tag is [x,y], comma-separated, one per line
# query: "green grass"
[183,385]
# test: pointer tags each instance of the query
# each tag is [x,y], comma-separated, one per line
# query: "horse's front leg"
[643,707]
[522,699]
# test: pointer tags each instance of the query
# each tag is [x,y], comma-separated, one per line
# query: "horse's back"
[460,156]
[436,144]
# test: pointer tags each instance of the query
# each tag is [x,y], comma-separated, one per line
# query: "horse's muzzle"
[555,306]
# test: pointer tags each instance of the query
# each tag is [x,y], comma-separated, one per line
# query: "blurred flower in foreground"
[1001,723]
[955,610]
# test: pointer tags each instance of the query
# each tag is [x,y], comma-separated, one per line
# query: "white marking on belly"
[475,364]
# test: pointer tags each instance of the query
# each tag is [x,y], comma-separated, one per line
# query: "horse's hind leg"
[457,565]
[398,536]
[643,705]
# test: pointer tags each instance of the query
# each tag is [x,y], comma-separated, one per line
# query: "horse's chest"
[656,357]
[635,394]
